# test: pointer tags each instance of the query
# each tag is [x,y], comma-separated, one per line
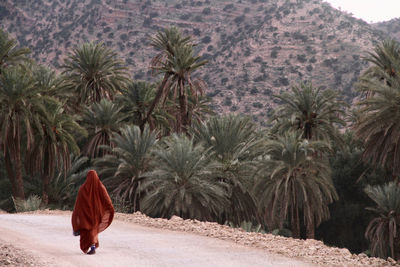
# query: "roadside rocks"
[310,250]
[11,256]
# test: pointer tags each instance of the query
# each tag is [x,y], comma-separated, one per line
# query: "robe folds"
[93,211]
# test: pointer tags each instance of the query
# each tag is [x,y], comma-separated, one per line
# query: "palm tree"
[385,58]
[183,182]
[198,108]
[177,62]
[382,231]
[102,120]
[53,146]
[235,146]
[293,181]
[136,99]
[48,81]
[124,169]
[21,109]
[314,113]
[64,186]
[93,72]
[378,126]
[9,53]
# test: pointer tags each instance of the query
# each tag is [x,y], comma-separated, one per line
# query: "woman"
[93,212]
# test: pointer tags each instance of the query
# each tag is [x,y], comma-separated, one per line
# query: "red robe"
[93,211]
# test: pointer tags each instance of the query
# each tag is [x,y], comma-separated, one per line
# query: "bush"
[206,39]
[254,91]
[257,105]
[228,101]
[196,32]
[207,11]
[32,203]
[301,58]
[229,7]
[239,19]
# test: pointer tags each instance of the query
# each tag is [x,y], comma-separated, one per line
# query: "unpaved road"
[49,238]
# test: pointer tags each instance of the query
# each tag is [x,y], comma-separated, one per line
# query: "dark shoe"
[92,250]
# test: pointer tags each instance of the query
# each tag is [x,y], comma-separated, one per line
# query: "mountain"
[255,48]
[391,28]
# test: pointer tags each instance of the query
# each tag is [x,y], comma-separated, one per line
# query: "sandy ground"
[47,240]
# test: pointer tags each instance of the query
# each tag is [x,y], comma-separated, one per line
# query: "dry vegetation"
[255,48]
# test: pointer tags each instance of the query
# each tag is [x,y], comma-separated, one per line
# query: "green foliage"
[235,145]
[10,54]
[31,204]
[282,232]
[382,231]
[124,170]
[348,221]
[102,120]
[64,186]
[93,72]
[177,61]
[293,178]
[183,182]
[248,227]
[314,113]
[378,125]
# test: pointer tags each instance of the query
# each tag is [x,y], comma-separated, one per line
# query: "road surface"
[49,238]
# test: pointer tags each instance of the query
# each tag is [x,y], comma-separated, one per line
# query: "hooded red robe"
[93,211]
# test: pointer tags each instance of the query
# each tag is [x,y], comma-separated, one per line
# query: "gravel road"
[48,240]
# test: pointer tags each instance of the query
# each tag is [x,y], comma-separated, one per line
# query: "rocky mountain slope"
[255,48]
[391,27]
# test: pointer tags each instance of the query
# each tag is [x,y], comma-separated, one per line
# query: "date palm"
[124,169]
[183,182]
[93,72]
[235,145]
[21,109]
[378,126]
[386,58]
[48,81]
[313,112]
[292,180]
[64,186]
[54,144]
[10,54]
[177,62]
[102,120]
[383,231]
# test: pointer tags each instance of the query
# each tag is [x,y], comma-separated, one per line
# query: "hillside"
[391,27]
[255,48]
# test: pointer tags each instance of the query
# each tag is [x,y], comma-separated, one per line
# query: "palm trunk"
[295,222]
[155,101]
[396,255]
[45,190]
[46,179]
[311,230]
[10,173]
[183,107]
[19,193]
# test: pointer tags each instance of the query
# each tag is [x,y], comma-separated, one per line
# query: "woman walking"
[93,212]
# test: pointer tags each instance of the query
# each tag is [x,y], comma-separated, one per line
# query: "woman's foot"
[92,250]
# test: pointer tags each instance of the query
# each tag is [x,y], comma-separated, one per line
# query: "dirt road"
[49,238]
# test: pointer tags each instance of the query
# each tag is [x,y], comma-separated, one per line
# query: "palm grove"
[318,170]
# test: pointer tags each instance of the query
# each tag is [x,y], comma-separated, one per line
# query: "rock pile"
[11,256]
[312,251]
[309,250]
